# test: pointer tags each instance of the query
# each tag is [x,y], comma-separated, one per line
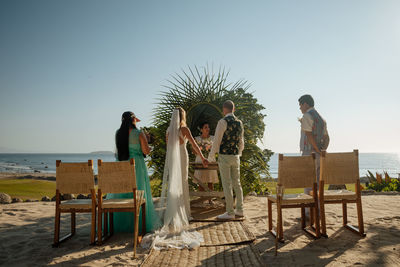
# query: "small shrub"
[371,177]
[393,185]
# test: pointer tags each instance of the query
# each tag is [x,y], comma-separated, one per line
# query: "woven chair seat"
[76,204]
[293,198]
[121,203]
[339,194]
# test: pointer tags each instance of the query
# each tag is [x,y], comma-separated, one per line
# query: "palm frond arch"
[201,92]
[203,112]
[194,88]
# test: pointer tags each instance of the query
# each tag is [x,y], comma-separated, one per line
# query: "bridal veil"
[175,231]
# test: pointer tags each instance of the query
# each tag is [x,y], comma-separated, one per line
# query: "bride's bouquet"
[205,145]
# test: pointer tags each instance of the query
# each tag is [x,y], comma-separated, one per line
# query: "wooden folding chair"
[340,168]
[74,178]
[119,177]
[295,172]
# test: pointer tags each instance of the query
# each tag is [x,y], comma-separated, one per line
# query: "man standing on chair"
[314,133]
[229,144]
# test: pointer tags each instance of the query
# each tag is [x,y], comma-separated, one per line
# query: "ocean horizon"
[46,162]
[377,162]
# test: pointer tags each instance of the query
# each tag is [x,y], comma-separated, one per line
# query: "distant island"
[102,152]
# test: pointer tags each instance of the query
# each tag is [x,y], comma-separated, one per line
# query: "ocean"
[46,163]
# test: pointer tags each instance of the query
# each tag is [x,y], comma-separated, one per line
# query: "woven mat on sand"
[223,233]
[240,255]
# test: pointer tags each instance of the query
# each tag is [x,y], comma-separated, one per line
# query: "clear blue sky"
[68,69]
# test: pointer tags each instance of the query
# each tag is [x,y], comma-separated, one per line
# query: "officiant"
[205,141]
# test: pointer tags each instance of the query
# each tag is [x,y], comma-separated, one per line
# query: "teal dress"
[124,221]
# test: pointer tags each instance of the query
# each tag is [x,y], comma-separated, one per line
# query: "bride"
[174,204]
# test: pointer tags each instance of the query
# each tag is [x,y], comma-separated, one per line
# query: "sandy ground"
[381,246]
[26,235]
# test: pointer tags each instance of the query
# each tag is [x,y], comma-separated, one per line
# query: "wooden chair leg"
[321,206]
[135,234]
[344,209]
[360,229]
[316,221]
[269,215]
[280,224]
[311,216]
[303,217]
[57,220]
[359,209]
[99,226]
[360,218]
[93,227]
[144,219]
[73,222]
[315,209]
[323,219]
[57,227]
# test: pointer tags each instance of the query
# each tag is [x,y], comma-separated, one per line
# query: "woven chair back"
[116,177]
[296,171]
[74,178]
[340,168]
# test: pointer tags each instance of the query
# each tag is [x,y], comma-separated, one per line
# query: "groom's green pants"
[229,168]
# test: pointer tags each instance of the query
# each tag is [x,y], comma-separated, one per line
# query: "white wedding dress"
[174,205]
[184,171]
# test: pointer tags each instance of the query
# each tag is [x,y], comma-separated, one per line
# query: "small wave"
[14,167]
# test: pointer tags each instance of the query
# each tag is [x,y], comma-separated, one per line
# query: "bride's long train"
[175,232]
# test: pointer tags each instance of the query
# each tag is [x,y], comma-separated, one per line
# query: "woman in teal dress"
[132,143]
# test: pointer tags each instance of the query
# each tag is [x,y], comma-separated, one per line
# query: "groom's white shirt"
[219,133]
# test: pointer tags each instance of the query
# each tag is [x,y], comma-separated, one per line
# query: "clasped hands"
[205,162]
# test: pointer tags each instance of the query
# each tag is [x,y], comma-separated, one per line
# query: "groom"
[229,144]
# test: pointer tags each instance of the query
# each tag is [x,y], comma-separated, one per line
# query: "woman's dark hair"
[203,123]
[306,99]
[122,136]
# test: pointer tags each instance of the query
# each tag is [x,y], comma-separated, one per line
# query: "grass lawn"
[28,188]
[272,188]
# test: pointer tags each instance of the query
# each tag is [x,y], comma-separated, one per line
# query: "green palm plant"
[201,92]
